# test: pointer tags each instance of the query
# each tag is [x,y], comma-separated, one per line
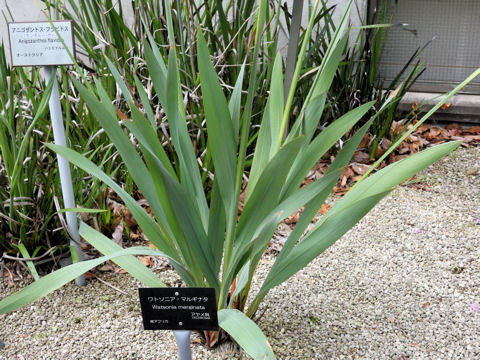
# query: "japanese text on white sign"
[38,44]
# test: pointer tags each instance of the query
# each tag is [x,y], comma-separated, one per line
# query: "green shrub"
[208,244]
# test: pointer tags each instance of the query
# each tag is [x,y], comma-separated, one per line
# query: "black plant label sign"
[178,308]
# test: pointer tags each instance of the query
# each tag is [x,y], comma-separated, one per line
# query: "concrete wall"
[20,10]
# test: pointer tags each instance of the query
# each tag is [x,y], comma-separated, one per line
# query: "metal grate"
[451,57]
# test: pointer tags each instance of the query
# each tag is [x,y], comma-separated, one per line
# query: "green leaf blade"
[246,333]
[57,279]
[221,140]
[129,263]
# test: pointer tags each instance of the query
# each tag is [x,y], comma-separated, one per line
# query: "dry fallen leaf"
[118,234]
[474,130]
[90,275]
[151,245]
[360,169]
[324,209]
[361,157]
[145,260]
[106,267]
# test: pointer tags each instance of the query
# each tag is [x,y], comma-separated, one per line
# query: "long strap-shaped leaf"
[182,244]
[191,225]
[129,263]
[146,223]
[106,115]
[234,105]
[307,250]
[393,174]
[246,333]
[60,277]
[316,201]
[269,138]
[324,141]
[189,171]
[216,227]
[266,193]
[157,69]
[348,211]
[221,140]
[154,155]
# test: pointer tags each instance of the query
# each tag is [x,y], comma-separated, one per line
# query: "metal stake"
[63,165]
[183,344]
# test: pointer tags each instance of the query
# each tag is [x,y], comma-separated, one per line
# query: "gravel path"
[403,284]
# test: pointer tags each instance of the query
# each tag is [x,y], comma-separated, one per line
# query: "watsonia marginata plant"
[201,234]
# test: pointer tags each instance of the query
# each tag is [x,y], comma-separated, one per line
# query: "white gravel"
[403,284]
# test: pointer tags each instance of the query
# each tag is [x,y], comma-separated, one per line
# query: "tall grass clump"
[31,222]
[357,79]
[106,35]
[27,173]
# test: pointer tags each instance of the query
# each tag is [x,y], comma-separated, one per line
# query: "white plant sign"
[38,44]
[48,44]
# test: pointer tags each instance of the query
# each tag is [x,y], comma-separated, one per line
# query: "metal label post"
[63,165]
[37,44]
[183,343]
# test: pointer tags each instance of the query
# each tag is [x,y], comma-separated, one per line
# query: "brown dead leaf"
[197,341]
[446,106]
[415,147]
[89,275]
[424,306]
[361,157]
[211,337]
[472,138]
[395,92]
[121,115]
[355,178]
[324,209]
[420,186]
[455,132]
[117,235]
[395,128]
[241,202]
[360,169]
[106,267]
[145,260]
[129,219]
[135,236]
[453,125]
[151,245]
[379,152]
[403,149]
[348,172]
[432,133]
[293,219]
[364,142]
[474,130]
